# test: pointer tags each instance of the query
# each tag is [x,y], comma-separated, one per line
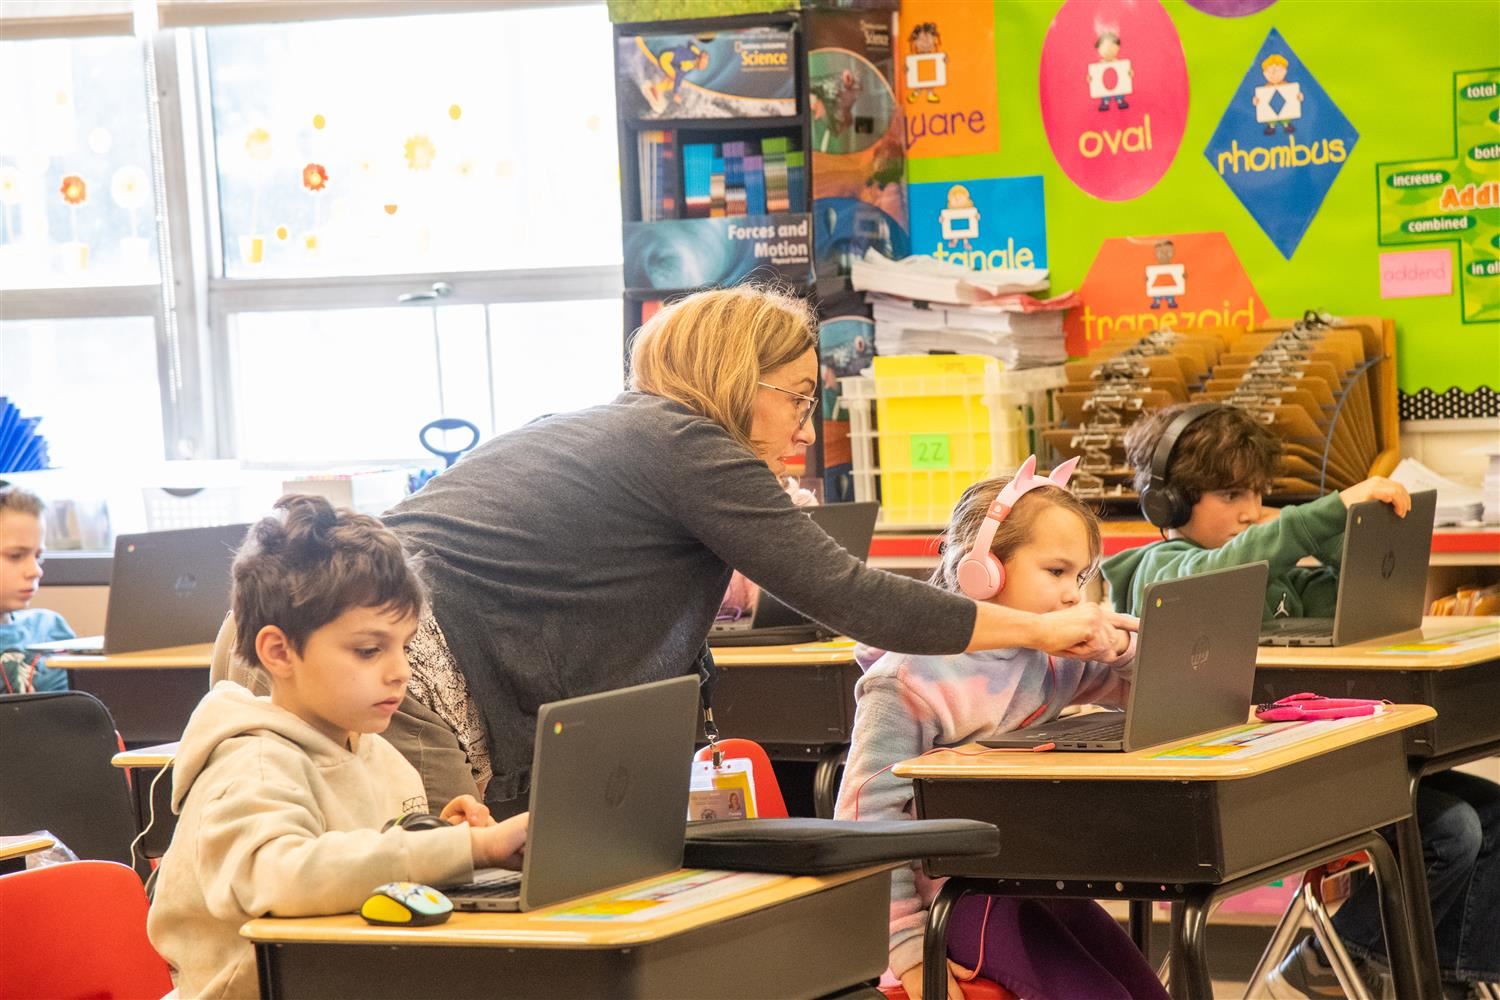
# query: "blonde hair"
[1013,532]
[1274,59]
[19,500]
[707,351]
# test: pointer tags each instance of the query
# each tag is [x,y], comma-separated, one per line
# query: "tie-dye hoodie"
[909,704]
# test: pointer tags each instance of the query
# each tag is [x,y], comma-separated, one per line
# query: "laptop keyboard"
[1309,629]
[1111,729]
[503,885]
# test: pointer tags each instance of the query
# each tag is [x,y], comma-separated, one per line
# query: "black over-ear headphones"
[1164,504]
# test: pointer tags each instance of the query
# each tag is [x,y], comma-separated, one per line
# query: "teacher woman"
[589,550]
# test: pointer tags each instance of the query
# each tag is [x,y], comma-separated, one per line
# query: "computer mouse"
[406,904]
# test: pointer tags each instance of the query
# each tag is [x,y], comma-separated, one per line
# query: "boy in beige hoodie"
[282,799]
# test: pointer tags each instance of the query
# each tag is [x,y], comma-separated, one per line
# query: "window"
[76,202]
[93,382]
[468,153]
[345,399]
[441,143]
[308,197]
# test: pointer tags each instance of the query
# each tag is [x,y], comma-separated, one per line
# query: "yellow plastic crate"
[939,424]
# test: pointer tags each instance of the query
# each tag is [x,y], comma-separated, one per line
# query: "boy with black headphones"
[1202,470]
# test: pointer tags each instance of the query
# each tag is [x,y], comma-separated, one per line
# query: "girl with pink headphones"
[1026,543]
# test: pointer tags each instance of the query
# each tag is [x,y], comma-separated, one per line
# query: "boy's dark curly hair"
[306,564]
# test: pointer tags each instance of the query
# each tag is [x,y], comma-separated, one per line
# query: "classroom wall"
[1388,66]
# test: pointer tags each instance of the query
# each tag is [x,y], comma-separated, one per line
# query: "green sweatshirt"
[1312,529]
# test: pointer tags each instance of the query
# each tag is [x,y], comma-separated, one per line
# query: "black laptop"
[773,623]
[1382,578]
[166,588]
[1194,667]
[609,797]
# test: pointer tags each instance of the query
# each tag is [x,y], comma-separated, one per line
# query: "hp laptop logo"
[185,585]
[1388,565]
[616,787]
[1199,655]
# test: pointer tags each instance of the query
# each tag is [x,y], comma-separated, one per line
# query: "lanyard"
[708,677]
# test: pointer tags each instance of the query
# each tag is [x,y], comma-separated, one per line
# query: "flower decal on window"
[314,177]
[420,152]
[258,144]
[74,190]
[130,187]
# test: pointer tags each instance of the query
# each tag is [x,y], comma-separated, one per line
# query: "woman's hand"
[1086,631]
[500,845]
[467,809]
[911,979]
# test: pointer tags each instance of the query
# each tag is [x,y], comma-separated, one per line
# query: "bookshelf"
[666,249]
[721,117]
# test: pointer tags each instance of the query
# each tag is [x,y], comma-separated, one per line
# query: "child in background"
[1219,462]
[20,575]
[282,798]
[1047,544]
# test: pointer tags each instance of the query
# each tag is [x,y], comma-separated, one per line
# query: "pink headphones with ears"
[980,574]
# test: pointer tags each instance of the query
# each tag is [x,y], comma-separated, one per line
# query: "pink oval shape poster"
[1114,94]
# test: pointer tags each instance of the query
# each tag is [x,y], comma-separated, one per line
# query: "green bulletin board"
[1390,68]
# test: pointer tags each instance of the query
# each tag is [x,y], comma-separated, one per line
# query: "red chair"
[77,931]
[768,801]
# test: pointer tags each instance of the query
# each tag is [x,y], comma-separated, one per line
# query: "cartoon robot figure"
[675,64]
[927,64]
[1110,77]
[1164,279]
[1286,97]
[960,220]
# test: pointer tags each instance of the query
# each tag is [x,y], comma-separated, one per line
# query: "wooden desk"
[13,850]
[1458,674]
[784,936]
[151,798]
[150,694]
[796,701]
[1145,826]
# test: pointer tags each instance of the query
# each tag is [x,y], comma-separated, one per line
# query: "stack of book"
[924,306]
[658,175]
[741,177]
[22,449]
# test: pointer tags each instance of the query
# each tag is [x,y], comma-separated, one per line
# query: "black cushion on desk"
[802,846]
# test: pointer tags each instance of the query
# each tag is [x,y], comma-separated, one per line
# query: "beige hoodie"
[277,819]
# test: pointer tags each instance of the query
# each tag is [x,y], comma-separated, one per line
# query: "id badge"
[725,792]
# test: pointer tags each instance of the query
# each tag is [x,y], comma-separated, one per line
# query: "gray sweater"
[589,551]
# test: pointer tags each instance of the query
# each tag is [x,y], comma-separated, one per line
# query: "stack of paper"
[930,280]
[922,305]
[22,449]
[1456,503]
[1019,337]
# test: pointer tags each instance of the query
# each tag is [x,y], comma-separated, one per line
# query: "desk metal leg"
[1414,879]
[1140,925]
[1400,941]
[825,781]
[935,944]
[1188,978]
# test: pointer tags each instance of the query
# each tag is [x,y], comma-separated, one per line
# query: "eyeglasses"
[805,407]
